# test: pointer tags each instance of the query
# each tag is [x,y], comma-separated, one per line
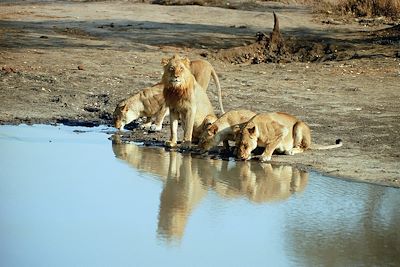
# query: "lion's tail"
[339,143]
[216,80]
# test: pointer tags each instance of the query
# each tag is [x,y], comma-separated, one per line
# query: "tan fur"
[149,102]
[203,71]
[223,129]
[275,131]
[208,120]
[185,99]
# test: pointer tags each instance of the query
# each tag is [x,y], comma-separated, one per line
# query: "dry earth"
[71,62]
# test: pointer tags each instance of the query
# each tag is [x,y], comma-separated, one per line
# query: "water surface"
[71,197]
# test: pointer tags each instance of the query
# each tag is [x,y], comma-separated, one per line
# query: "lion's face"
[246,141]
[119,117]
[176,71]
[208,138]
[123,116]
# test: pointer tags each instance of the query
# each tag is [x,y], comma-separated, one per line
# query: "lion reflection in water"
[187,179]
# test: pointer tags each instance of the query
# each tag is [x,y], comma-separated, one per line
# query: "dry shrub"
[370,8]
[360,8]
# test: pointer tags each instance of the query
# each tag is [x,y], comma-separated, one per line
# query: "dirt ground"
[72,62]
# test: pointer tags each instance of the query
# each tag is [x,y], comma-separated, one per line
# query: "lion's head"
[208,138]
[123,115]
[246,141]
[177,75]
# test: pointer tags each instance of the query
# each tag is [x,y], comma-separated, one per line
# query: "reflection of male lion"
[223,129]
[182,192]
[185,99]
[276,131]
[182,189]
[150,101]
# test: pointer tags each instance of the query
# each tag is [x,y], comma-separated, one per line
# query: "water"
[69,197]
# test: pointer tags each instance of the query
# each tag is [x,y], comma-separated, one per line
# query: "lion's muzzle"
[119,125]
[175,80]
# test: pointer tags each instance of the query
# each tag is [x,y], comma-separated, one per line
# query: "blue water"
[72,198]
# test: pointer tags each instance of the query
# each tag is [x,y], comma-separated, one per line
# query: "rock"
[8,70]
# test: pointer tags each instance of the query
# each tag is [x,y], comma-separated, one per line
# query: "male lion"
[276,131]
[224,129]
[186,100]
[150,101]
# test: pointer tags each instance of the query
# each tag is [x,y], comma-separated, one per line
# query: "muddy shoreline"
[71,62]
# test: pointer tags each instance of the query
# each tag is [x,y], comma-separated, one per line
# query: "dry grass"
[359,8]
[190,2]
[370,8]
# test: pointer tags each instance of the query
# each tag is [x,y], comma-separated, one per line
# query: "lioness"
[223,129]
[203,71]
[150,101]
[276,131]
[185,99]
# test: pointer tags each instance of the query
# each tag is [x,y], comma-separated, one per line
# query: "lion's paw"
[170,144]
[186,145]
[146,126]
[155,128]
[265,158]
[289,152]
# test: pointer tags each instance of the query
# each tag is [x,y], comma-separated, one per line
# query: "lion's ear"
[212,129]
[251,130]
[236,130]
[186,61]
[164,61]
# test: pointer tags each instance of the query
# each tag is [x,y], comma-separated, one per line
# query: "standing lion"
[186,100]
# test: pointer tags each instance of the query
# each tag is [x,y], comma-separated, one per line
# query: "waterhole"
[69,196]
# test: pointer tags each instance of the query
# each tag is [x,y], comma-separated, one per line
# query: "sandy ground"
[71,62]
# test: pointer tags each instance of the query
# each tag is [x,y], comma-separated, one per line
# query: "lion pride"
[150,103]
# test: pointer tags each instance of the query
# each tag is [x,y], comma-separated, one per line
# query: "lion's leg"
[301,137]
[188,128]
[269,149]
[172,167]
[226,144]
[280,133]
[159,118]
[174,116]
